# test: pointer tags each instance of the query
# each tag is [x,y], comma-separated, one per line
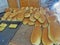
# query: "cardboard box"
[24,3]
[34,3]
[12,3]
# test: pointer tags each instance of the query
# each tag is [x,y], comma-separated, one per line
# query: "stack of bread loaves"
[46,29]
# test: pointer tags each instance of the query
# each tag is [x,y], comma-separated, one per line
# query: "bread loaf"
[36,35]
[45,38]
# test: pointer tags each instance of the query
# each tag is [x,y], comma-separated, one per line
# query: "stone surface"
[22,37]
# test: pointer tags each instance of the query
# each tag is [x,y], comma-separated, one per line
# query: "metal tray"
[8,34]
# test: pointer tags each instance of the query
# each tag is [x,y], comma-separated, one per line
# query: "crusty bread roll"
[27,8]
[9,19]
[32,18]
[25,21]
[42,19]
[35,9]
[22,8]
[14,19]
[53,29]
[42,11]
[45,24]
[15,10]
[6,15]
[31,23]
[37,23]
[51,18]
[8,10]
[54,32]
[31,11]
[37,15]
[12,15]
[45,38]
[31,8]
[3,18]
[20,16]
[27,15]
[36,35]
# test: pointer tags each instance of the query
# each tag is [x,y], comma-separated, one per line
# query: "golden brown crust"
[12,15]
[36,35]
[15,10]
[37,23]
[32,18]
[45,24]
[45,38]
[42,19]
[51,18]
[8,10]
[31,23]
[22,8]
[20,16]
[42,11]
[37,15]
[6,15]
[54,32]
[27,15]
[31,8]
[25,21]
